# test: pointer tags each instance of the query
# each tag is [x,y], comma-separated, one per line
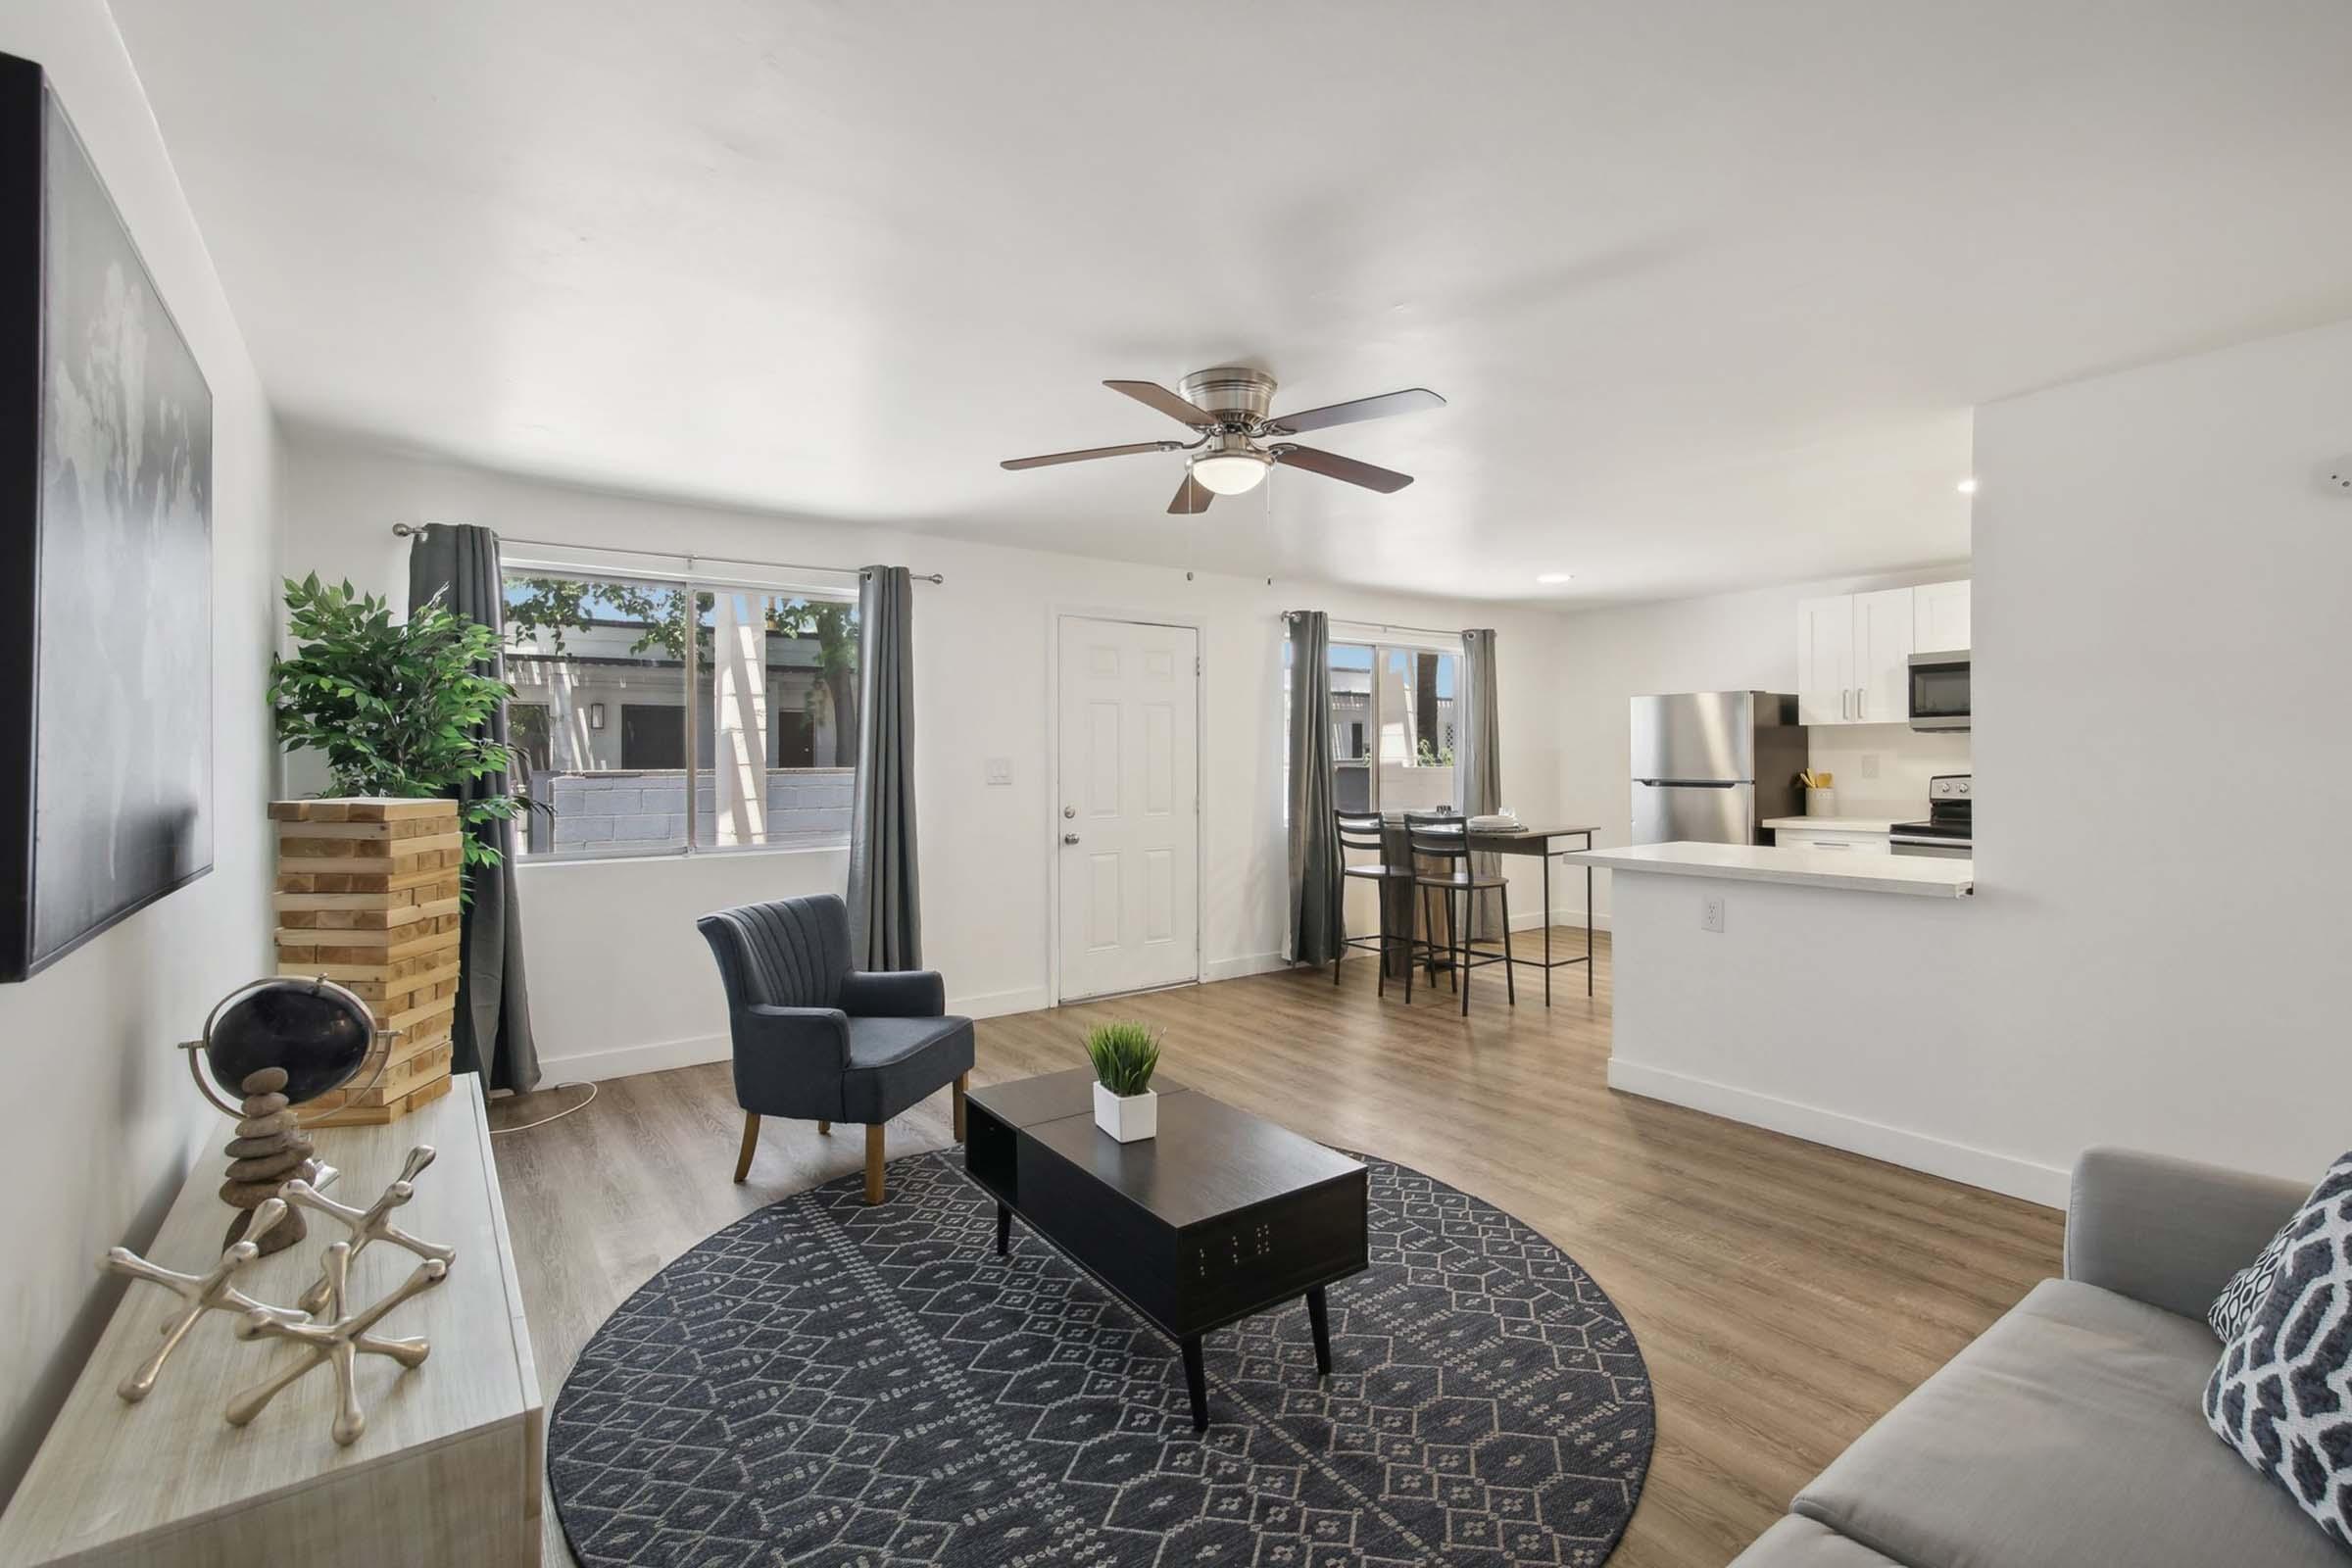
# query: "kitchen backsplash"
[1885,766]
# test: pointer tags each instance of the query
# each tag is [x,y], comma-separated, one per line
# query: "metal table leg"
[1546,857]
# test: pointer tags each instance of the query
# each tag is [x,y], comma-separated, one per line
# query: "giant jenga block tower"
[367,897]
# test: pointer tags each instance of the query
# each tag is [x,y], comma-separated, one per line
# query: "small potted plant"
[1124,1056]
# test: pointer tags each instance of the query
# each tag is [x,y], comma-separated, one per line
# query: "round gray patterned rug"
[827,1384]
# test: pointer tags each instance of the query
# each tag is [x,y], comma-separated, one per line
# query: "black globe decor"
[316,1031]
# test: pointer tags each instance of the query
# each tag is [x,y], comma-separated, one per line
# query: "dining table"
[1544,841]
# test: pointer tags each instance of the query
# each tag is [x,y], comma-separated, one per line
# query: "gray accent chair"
[819,1041]
[2073,1431]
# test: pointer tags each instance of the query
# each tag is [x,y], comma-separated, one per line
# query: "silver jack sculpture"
[372,1223]
[209,1292]
[322,1324]
[340,1338]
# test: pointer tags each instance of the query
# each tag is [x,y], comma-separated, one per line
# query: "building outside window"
[613,757]
[1394,728]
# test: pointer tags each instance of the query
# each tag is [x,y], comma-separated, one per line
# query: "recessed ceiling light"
[1967,486]
[1548,577]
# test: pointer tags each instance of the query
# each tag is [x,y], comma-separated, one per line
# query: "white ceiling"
[1711,288]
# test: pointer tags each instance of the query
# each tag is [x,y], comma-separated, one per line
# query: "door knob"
[1069,838]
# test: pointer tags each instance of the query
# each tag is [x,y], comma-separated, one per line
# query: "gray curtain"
[886,908]
[1314,838]
[1482,767]
[492,1032]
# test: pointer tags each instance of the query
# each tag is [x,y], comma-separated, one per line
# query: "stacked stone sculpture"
[268,1152]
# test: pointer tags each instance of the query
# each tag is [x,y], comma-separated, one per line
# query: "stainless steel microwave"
[1940,691]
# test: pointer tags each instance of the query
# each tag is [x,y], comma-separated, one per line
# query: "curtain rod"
[1381,625]
[407,530]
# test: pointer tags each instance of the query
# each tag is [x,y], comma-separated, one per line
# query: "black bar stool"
[1446,836]
[1361,830]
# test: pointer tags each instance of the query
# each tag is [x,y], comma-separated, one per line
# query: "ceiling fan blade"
[1192,497]
[1053,457]
[1330,464]
[1154,395]
[1412,400]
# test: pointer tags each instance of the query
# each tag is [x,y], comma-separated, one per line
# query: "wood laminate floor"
[1785,1294]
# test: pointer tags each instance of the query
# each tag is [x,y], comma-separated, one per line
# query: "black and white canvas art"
[106,457]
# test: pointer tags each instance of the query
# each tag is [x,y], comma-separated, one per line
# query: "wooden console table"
[447,1470]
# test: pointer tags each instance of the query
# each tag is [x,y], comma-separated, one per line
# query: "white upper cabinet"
[1940,618]
[1882,657]
[1853,651]
[1825,659]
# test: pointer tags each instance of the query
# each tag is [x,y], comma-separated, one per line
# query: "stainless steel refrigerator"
[1710,766]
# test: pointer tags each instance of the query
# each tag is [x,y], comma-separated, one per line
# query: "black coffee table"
[1222,1217]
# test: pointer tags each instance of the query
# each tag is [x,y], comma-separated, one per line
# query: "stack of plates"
[1497,825]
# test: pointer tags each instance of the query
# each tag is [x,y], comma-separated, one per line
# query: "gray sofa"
[2071,1434]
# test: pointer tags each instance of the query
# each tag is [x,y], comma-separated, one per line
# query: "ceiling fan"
[1228,405]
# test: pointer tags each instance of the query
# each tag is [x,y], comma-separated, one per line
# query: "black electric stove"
[1948,832]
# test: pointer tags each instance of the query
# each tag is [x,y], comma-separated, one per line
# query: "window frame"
[681,572]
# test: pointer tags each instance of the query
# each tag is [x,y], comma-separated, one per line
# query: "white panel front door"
[1128,816]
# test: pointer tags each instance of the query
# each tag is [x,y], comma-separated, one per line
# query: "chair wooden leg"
[963,1082]
[873,1163]
[825,1129]
[750,1141]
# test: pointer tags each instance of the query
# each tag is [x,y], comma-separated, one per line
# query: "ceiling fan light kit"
[1227,406]
[1231,465]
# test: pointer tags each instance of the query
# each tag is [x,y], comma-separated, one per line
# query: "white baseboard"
[997,1004]
[626,1061]
[1961,1163]
[1562,919]
[1247,963]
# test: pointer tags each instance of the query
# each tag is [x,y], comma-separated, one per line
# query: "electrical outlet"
[1710,913]
[1000,770]
[1869,764]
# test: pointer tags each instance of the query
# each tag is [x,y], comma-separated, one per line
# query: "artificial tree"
[397,707]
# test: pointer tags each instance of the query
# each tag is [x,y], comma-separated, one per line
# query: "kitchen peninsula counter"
[1818,993]
[1920,876]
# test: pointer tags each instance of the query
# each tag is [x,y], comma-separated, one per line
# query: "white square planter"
[1127,1117]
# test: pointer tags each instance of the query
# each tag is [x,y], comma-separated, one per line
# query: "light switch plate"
[1000,770]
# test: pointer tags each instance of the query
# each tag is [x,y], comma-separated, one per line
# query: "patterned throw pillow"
[2283,1393]
[2234,1308]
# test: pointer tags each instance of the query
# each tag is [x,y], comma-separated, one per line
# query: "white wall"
[647,995]
[2163,631]
[2156,955]
[1727,642]
[98,1133]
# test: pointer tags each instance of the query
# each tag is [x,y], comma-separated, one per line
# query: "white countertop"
[1846,824]
[1919,876]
